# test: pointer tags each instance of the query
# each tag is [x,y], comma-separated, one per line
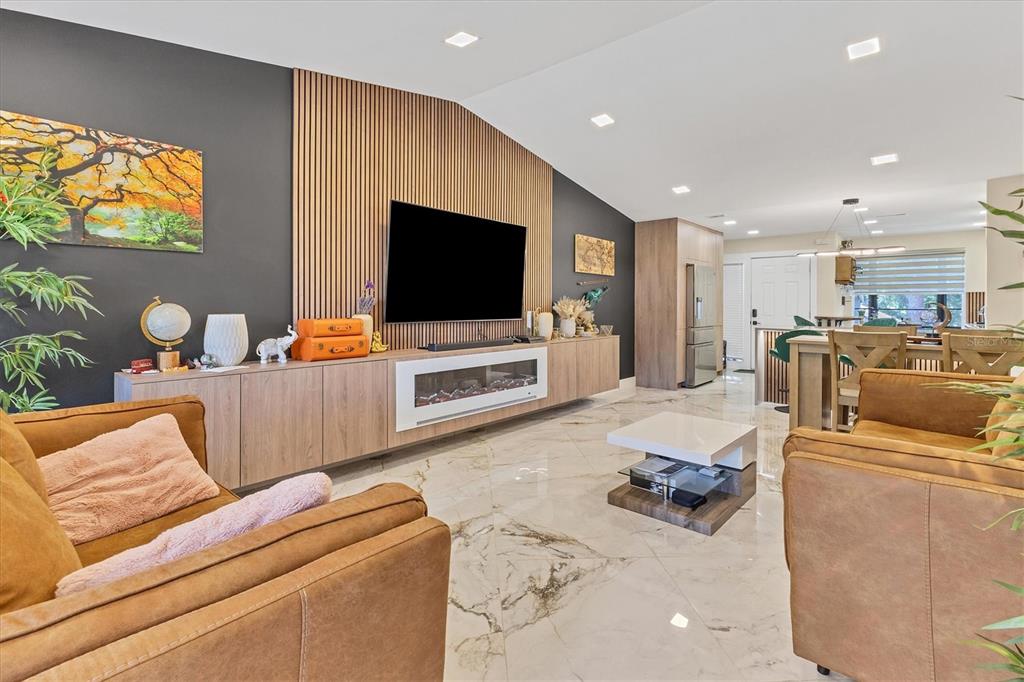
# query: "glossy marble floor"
[548,581]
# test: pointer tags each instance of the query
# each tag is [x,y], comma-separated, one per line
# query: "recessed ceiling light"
[753,231]
[602,120]
[981,224]
[679,620]
[877,231]
[884,159]
[860,209]
[864,48]
[681,189]
[870,222]
[461,39]
[729,222]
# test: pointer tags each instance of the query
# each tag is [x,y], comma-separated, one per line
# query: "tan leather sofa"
[890,570]
[356,589]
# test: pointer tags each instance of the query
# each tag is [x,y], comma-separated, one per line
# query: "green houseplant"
[30,212]
[1011,446]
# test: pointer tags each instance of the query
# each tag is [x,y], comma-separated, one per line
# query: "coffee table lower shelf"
[706,519]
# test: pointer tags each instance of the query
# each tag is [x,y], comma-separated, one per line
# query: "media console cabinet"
[268,421]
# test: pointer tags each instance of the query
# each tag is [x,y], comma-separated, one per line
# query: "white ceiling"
[752,104]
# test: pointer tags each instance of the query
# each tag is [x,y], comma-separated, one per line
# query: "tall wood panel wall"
[355,147]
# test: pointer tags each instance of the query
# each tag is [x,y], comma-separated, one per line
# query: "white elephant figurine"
[268,348]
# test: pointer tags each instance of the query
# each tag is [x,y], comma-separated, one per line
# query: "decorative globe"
[168,322]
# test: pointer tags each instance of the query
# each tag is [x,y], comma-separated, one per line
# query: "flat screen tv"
[445,266]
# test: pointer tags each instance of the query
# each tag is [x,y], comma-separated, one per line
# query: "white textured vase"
[226,338]
[567,328]
[545,325]
[367,324]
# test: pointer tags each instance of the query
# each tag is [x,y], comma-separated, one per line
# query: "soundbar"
[463,345]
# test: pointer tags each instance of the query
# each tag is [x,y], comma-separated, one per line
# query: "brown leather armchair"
[891,571]
[355,589]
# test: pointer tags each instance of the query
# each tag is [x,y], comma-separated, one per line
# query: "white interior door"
[780,287]
[736,324]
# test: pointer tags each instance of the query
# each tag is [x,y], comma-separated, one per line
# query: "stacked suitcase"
[330,339]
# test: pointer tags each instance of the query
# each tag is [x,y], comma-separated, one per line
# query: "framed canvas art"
[595,256]
[116,190]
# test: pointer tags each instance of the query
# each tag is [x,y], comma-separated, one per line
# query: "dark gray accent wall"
[237,112]
[577,211]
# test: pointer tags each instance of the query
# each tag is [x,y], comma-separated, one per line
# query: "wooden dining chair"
[981,352]
[865,350]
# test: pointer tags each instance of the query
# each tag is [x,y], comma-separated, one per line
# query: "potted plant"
[1009,444]
[568,309]
[30,213]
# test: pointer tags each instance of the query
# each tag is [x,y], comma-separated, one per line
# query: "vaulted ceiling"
[753,105]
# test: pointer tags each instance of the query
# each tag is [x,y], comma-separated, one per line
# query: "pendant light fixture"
[846,247]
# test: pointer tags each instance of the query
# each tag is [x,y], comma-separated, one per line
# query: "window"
[908,286]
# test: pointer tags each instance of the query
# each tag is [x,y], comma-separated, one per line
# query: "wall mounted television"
[447,267]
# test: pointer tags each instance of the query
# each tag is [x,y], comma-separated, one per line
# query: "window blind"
[911,273]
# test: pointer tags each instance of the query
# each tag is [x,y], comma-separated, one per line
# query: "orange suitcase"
[341,326]
[330,347]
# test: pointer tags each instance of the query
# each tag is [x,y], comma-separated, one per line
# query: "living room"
[570,340]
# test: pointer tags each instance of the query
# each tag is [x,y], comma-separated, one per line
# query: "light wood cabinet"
[221,395]
[268,421]
[282,423]
[562,372]
[663,249]
[597,366]
[355,410]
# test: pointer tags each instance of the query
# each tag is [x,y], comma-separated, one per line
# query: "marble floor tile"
[550,582]
[593,619]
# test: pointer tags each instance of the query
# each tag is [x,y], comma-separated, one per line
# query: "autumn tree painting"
[116,190]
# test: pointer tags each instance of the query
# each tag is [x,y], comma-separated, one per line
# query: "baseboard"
[629,383]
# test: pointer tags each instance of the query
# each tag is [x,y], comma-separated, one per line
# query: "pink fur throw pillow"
[284,499]
[123,478]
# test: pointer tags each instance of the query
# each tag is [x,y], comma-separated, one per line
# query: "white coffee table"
[694,443]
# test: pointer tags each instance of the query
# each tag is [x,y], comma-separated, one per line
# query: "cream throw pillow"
[123,478]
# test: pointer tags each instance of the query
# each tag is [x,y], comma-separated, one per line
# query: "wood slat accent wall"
[356,146]
[972,306]
[776,372]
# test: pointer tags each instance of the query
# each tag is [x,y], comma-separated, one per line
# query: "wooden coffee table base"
[706,519]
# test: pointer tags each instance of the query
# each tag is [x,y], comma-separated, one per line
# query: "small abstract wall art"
[116,190]
[595,256]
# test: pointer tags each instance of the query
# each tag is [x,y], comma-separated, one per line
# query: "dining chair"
[881,322]
[781,353]
[981,353]
[865,350]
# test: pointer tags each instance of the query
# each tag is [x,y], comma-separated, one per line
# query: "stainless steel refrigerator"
[701,320]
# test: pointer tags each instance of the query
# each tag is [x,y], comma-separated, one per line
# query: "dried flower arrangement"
[586,318]
[366,301]
[569,308]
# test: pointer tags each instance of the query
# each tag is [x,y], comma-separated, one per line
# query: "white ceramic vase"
[367,324]
[567,328]
[545,325]
[226,338]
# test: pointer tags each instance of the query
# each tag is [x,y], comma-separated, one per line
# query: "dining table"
[834,320]
[810,377]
